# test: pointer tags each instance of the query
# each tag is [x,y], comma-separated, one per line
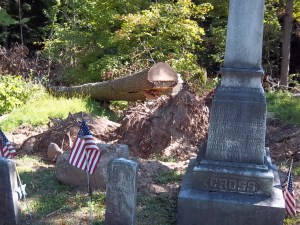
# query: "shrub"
[14,92]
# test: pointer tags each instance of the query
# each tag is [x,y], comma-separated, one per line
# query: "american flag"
[85,154]
[288,194]
[7,150]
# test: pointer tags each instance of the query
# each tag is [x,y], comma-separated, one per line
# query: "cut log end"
[162,72]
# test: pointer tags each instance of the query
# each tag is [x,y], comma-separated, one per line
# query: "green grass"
[39,111]
[158,210]
[292,221]
[167,177]
[284,106]
[51,202]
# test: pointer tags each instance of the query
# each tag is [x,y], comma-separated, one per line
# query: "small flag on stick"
[7,150]
[288,193]
[85,154]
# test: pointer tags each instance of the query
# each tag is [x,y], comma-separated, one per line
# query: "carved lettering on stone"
[231,185]
[121,192]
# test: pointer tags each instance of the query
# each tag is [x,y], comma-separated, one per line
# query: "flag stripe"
[85,154]
[7,150]
[288,194]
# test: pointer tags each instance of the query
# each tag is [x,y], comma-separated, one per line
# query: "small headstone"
[10,207]
[121,192]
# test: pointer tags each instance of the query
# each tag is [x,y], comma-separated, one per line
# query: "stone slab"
[121,192]
[200,207]
[237,126]
[10,211]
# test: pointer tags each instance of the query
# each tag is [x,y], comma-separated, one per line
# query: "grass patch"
[167,177]
[296,171]
[156,210]
[284,106]
[292,221]
[49,201]
[40,111]
[163,158]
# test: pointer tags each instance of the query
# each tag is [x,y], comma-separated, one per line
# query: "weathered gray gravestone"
[10,207]
[232,181]
[121,192]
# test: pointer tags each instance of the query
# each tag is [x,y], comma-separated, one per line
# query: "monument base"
[202,207]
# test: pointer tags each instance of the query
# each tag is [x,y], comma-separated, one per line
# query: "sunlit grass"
[292,221]
[47,197]
[39,111]
[51,202]
[284,106]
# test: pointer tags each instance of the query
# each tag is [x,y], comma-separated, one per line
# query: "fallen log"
[149,83]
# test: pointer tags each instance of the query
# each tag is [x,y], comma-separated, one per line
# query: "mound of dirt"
[169,127]
[283,140]
[63,132]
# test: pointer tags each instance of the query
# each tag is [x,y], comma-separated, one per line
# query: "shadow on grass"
[49,199]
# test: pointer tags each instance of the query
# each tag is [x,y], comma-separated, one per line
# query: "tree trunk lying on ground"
[149,83]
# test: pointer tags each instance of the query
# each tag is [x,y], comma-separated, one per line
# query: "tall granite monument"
[232,181]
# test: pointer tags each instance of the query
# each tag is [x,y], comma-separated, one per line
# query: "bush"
[14,92]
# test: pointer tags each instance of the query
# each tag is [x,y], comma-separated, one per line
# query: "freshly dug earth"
[283,140]
[170,127]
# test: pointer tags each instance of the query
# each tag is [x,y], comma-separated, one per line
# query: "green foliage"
[272,36]
[14,92]
[284,106]
[25,101]
[43,107]
[100,40]
[292,220]
[82,32]
[5,18]
[165,32]
[296,11]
